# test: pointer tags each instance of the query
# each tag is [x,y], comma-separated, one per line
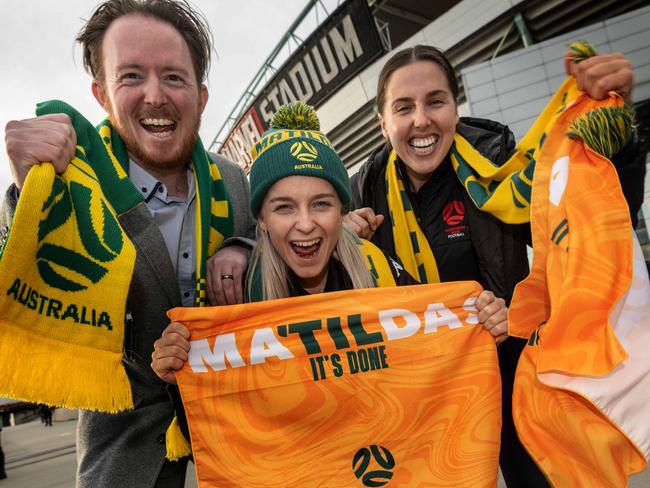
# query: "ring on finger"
[227,277]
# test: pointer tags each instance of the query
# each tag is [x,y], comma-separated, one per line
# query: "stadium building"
[508,56]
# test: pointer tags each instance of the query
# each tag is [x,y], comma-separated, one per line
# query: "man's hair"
[190,23]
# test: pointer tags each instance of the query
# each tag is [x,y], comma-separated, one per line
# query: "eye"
[130,77]
[321,204]
[282,208]
[175,79]
[402,108]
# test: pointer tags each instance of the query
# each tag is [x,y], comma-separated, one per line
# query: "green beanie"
[294,146]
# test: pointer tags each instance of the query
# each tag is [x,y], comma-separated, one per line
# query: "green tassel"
[296,116]
[605,130]
[582,50]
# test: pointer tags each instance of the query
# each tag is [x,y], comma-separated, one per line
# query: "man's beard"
[180,157]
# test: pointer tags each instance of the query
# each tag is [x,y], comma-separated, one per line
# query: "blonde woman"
[300,193]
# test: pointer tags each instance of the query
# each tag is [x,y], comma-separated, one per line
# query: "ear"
[99,93]
[260,222]
[382,124]
[203,93]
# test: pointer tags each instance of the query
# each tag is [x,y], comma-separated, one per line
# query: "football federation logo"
[303,151]
[454,212]
[377,474]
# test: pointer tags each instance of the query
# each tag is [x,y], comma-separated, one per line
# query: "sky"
[39,59]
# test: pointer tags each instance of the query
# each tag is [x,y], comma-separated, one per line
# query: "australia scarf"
[501,190]
[66,266]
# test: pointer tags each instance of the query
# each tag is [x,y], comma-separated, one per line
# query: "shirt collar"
[150,187]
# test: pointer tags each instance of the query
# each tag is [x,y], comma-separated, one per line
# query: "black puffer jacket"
[500,248]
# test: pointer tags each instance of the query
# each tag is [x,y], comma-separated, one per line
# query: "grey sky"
[39,60]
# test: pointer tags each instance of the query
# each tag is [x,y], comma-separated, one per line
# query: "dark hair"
[410,55]
[190,23]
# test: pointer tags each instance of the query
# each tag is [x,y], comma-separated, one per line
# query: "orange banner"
[582,383]
[353,388]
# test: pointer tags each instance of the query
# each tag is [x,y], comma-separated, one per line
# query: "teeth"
[424,141]
[157,122]
[305,243]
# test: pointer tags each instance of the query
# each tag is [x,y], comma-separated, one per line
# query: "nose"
[420,117]
[304,221]
[154,92]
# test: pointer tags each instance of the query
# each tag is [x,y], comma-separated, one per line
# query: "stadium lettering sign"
[343,45]
[314,69]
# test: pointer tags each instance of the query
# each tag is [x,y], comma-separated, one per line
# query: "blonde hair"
[274,272]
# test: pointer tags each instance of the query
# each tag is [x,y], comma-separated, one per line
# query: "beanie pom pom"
[296,116]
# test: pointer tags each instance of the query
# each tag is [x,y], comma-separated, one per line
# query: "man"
[148,60]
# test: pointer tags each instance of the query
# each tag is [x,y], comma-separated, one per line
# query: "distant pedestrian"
[45,412]
[3,473]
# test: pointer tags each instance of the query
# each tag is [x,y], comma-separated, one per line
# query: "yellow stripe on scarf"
[411,245]
[213,223]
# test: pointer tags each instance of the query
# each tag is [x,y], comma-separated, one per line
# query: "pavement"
[44,457]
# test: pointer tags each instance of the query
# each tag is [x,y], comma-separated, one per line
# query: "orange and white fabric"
[581,402]
[351,388]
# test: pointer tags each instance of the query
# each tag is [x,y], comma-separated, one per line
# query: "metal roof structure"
[290,41]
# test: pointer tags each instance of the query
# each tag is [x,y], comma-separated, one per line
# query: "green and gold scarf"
[214,221]
[501,190]
[66,267]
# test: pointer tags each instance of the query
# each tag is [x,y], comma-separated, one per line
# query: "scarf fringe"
[176,443]
[605,130]
[95,379]
[582,50]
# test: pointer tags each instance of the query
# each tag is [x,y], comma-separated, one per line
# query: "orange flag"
[352,388]
[581,402]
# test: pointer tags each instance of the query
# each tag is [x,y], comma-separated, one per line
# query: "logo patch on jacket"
[454,216]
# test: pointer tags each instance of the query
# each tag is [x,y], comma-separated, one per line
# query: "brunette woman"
[409,187]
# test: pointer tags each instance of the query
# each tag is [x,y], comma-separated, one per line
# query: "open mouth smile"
[307,248]
[423,145]
[160,128]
